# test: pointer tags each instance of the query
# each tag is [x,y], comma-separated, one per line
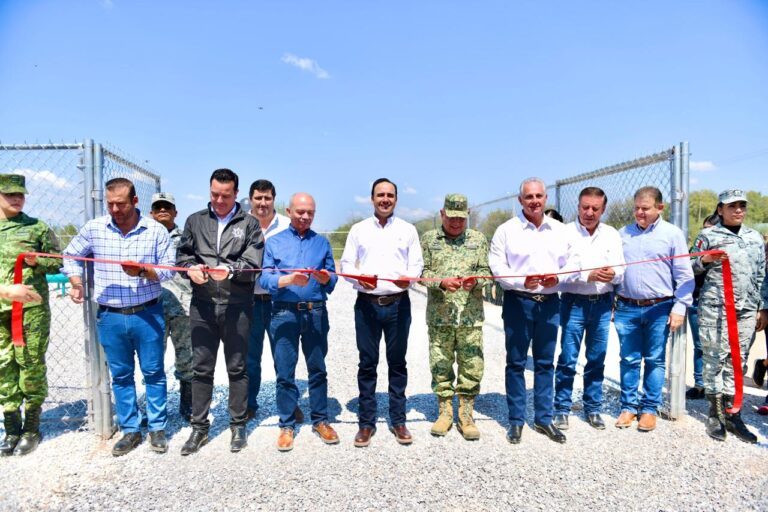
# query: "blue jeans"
[579,314]
[528,323]
[122,336]
[394,322]
[698,353]
[289,327]
[643,333]
[262,314]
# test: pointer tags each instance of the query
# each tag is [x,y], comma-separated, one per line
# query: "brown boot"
[466,424]
[445,420]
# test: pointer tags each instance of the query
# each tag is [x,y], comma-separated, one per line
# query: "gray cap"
[732,195]
[163,197]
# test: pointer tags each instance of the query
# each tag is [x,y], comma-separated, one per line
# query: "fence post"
[98,369]
[678,339]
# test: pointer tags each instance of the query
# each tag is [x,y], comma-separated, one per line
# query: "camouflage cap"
[456,205]
[13,184]
[732,195]
[163,197]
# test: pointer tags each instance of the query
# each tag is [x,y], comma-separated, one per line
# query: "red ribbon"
[17,311]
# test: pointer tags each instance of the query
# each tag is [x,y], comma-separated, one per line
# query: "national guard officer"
[176,296]
[23,377]
[455,313]
[744,248]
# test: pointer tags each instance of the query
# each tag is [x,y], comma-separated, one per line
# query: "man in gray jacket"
[222,247]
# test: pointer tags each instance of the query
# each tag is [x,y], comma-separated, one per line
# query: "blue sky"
[325,97]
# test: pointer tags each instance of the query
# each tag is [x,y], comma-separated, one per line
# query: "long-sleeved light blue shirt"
[290,251]
[666,278]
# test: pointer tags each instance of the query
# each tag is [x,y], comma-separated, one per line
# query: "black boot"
[197,439]
[735,425]
[716,420]
[30,436]
[12,422]
[185,400]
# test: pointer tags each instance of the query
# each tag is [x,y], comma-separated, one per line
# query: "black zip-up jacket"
[242,246]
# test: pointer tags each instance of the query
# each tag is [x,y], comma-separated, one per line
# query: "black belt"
[381,300]
[591,298]
[299,306]
[263,297]
[130,309]
[538,297]
[643,302]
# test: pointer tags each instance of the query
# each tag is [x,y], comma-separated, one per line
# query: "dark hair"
[225,176]
[382,180]
[653,192]
[114,183]
[711,220]
[551,212]
[594,192]
[262,186]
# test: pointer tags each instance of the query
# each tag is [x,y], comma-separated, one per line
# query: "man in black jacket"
[221,246]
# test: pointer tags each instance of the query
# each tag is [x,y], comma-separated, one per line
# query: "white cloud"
[44,178]
[306,64]
[194,197]
[362,200]
[413,214]
[409,190]
[702,166]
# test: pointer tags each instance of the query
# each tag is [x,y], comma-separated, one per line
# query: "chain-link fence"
[65,184]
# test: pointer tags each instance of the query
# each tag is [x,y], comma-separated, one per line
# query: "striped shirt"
[147,242]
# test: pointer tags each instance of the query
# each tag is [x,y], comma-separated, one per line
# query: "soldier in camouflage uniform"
[455,313]
[176,296]
[744,248]
[23,379]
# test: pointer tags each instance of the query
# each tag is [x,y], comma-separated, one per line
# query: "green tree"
[701,204]
[493,220]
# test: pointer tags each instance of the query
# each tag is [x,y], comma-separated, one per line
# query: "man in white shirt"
[534,246]
[262,200]
[388,247]
[585,305]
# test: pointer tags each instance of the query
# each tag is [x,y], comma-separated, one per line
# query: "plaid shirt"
[147,242]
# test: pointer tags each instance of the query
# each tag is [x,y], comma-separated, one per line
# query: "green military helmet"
[13,184]
[456,205]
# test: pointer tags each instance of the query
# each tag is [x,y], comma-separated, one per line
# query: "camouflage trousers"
[23,372]
[462,345]
[177,327]
[713,333]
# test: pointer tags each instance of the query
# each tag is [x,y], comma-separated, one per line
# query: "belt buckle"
[382,300]
[538,297]
[304,306]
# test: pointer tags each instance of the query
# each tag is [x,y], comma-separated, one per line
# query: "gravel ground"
[677,467]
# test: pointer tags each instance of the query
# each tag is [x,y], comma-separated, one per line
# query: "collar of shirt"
[389,222]
[650,227]
[527,224]
[307,234]
[441,234]
[583,231]
[140,224]
[227,217]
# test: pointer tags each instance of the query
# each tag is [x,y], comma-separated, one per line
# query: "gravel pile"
[677,467]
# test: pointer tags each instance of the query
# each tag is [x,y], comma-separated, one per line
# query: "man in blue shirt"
[651,303]
[299,314]
[130,316]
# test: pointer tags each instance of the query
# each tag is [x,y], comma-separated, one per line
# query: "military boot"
[185,400]
[735,425]
[445,420]
[12,422]
[466,424]
[716,420]
[31,435]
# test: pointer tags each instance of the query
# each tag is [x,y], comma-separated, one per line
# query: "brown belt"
[643,302]
[381,300]
[263,297]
